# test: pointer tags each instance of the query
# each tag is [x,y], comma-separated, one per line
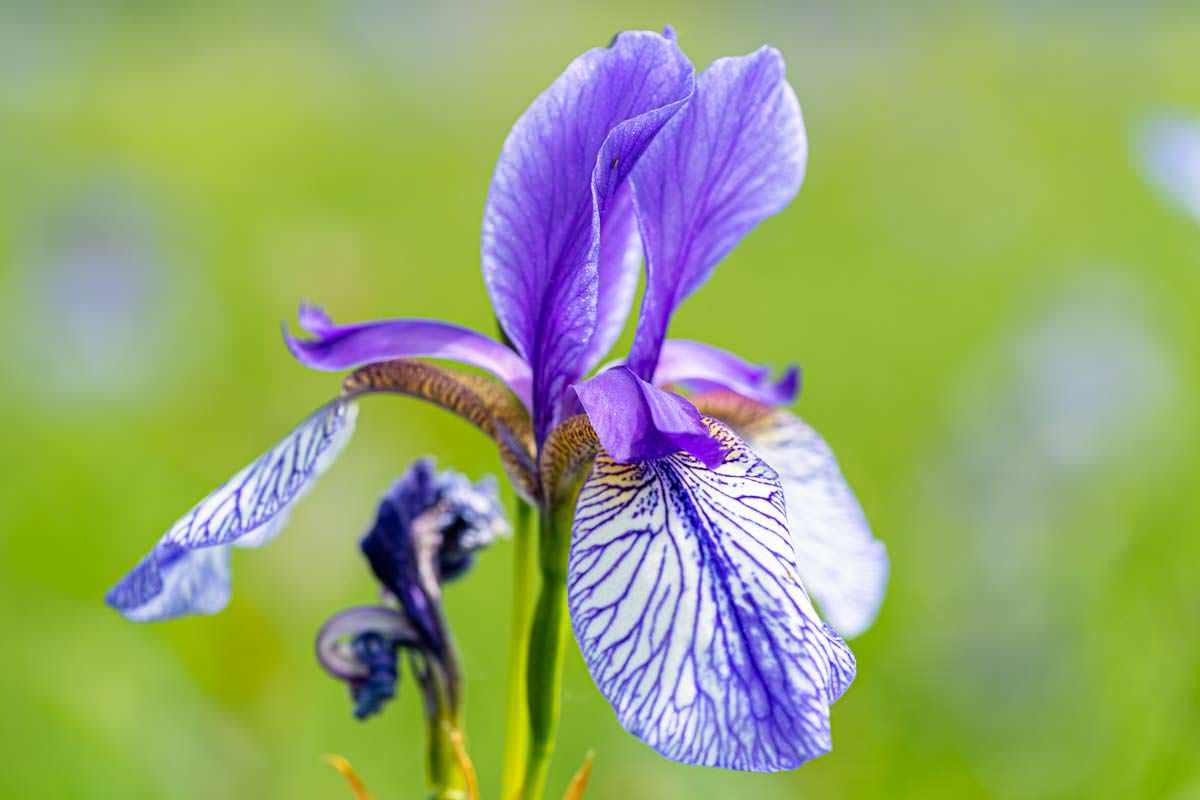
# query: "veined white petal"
[188,570]
[686,603]
[841,563]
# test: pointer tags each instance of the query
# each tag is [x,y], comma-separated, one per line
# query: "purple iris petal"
[702,367]
[620,263]
[635,421]
[555,182]
[427,530]
[340,347]
[187,572]
[734,156]
[841,563]
[685,600]
[332,645]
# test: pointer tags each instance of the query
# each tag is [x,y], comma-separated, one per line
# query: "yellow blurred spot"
[464,762]
[343,766]
[580,781]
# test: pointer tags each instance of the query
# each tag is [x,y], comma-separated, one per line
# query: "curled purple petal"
[187,572]
[686,603]
[555,183]
[333,640]
[635,421]
[841,563]
[733,157]
[701,367]
[341,347]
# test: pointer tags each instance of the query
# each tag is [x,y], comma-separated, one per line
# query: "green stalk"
[546,637]
[443,769]
[516,718]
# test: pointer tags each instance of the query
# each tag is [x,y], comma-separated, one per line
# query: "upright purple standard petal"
[734,156]
[341,347]
[620,261]
[187,572]
[841,563]
[684,597]
[555,182]
[701,367]
[634,421]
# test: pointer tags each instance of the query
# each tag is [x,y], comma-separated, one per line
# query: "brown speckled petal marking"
[481,401]
[567,452]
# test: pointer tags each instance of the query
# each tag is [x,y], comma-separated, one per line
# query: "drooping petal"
[842,565]
[732,157]
[701,367]
[187,572]
[684,597]
[555,181]
[635,421]
[340,347]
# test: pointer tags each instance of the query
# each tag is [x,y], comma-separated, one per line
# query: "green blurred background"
[996,315]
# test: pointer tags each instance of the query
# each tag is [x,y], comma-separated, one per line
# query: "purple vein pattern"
[685,599]
[841,563]
[733,157]
[556,180]
[248,510]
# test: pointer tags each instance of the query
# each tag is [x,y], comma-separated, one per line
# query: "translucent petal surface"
[841,563]
[186,572]
[702,367]
[685,600]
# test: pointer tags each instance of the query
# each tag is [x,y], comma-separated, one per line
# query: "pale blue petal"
[841,563]
[187,571]
[686,603]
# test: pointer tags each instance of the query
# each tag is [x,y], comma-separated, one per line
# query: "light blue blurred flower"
[1169,154]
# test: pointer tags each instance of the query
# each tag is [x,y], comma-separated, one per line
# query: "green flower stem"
[445,775]
[516,721]
[446,778]
[546,637]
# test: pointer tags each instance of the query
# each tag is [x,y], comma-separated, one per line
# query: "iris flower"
[679,532]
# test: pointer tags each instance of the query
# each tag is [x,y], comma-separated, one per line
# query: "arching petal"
[635,421]
[843,566]
[701,367]
[684,597]
[557,175]
[340,347]
[187,572]
[732,157]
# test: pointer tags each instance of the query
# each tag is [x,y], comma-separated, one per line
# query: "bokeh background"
[995,310]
